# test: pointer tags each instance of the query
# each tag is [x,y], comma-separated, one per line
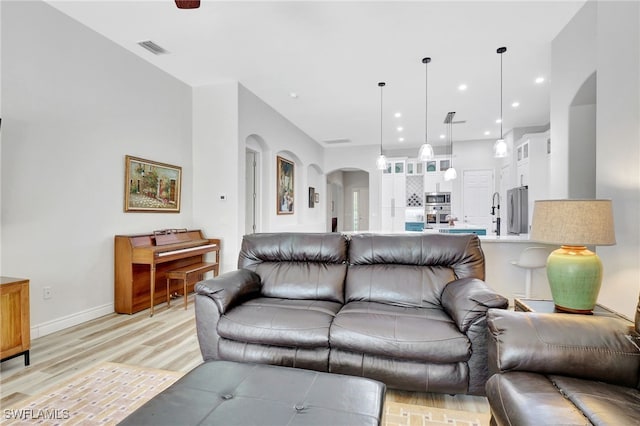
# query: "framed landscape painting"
[284,191]
[151,186]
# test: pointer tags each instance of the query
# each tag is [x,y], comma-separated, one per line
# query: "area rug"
[109,392]
[398,414]
[104,395]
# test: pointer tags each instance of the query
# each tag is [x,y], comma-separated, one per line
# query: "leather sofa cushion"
[298,280]
[307,358]
[410,270]
[408,333]
[405,285]
[601,403]
[401,374]
[280,322]
[529,399]
[297,265]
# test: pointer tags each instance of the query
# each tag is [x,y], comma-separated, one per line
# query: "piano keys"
[146,258]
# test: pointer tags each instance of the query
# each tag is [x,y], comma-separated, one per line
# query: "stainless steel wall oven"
[437,207]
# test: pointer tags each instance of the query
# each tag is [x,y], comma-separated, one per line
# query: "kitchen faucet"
[494,207]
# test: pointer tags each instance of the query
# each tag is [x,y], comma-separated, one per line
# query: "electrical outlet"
[46,293]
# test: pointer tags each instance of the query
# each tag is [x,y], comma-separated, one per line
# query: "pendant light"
[500,147]
[426,150]
[450,173]
[381,162]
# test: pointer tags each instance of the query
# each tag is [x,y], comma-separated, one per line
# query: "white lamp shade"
[573,222]
[381,162]
[450,174]
[500,149]
[426,152]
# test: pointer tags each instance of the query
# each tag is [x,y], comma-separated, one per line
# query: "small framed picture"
[284,179]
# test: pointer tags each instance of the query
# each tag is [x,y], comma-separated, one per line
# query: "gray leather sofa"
[407,310]
[567,369]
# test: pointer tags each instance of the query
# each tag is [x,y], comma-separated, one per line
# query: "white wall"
[604,38]
[74,104]
[618,148]
[218,171]
[281,137]
[573,60]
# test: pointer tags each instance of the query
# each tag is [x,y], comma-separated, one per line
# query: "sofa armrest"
[466,300]
[230,288]
[589,347]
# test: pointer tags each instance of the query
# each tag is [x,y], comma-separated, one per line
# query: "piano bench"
[189,274]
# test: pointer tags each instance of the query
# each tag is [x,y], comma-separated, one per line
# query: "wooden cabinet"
[15,336]
[393,196]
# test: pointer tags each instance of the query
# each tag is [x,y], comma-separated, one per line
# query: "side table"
[15,334]
[547,306]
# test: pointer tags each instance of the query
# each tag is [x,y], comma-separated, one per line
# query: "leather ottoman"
[232,393]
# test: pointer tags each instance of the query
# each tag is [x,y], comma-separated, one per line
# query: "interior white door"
[476,198]
[251,192]
[360,207]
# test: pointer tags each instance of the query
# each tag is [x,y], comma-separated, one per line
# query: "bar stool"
[531,258]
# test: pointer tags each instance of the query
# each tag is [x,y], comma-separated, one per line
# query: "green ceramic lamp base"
[575,276]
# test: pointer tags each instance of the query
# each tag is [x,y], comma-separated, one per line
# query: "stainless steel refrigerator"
[517,210]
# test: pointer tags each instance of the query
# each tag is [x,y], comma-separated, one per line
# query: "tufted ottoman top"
[232,393]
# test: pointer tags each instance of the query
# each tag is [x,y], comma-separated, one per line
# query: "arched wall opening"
[582,140]
[348,202]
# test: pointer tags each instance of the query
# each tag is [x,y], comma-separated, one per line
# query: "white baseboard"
[70,320]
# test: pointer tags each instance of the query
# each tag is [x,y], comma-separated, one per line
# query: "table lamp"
[574,272]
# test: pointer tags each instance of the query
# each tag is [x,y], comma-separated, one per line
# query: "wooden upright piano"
[143,259]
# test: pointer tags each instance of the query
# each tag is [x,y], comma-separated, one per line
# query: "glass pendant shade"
[500,149]
[450,174]
[381,162]
[426,152]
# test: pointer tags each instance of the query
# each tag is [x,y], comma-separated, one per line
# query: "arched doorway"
[348,201]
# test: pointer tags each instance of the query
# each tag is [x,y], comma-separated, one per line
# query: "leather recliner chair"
[568,369]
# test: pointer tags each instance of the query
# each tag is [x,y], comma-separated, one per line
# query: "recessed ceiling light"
[294,95]
[400,139]
[399,128]
[462,87]
[540,80]
[498,121]
[487,133]
[397,115]
[515,104]
[442,136]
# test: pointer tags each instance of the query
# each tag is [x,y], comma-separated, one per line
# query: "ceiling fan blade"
[188,4]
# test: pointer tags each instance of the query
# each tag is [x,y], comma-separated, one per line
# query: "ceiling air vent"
[337,141]
[153,48]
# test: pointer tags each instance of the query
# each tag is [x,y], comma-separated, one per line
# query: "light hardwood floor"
[167,341]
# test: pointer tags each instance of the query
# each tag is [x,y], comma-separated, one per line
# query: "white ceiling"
[333,54]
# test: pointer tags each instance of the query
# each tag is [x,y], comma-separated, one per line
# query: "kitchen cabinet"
[434,175]
[393,196]
[532,166]
[415,168]
[522,163]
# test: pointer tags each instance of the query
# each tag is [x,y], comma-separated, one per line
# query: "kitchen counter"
[489,238]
